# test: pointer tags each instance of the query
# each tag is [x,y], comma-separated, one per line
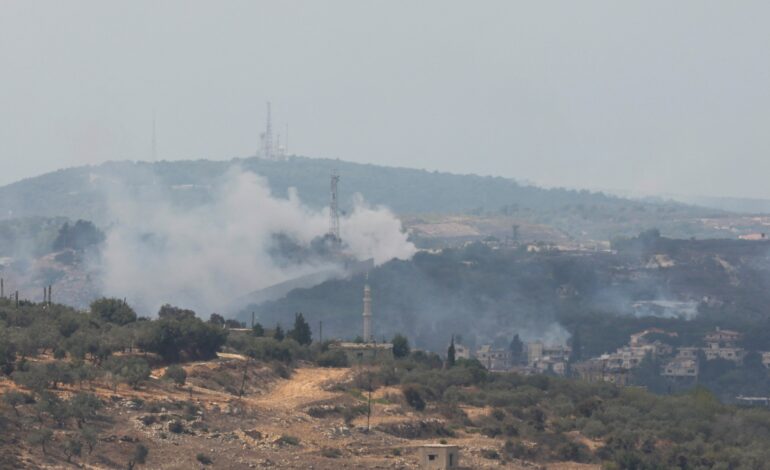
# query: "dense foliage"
[540,418]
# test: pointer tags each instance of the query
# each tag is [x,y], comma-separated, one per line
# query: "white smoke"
[205,256]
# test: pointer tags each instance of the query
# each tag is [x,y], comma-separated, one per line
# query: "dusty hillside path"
[305,386]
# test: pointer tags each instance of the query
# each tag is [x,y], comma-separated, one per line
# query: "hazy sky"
[653,96]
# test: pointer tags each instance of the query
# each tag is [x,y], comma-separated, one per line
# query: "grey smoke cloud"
[202,257]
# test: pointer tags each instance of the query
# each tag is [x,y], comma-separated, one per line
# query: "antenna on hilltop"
[334,217]
[154,139]
[267,137]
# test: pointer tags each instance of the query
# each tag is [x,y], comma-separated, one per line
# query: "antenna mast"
[154,139]
[267,136]
[334,217]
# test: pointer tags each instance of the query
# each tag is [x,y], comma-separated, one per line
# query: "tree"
[413,397]
[131,370]
[301,331]
[217,320]
[450,353]
[13,399]
[169,312]
[400,346]
[258,330]
[577,346]
[278,333]
[40,437]
[139,457]
[517,348]
[53,406]
[78,236]
[179,333]
[233,323]
[34,378]
[83,407]
[7,355]
[72,448]
[176,374]
[90,437]
[113,311]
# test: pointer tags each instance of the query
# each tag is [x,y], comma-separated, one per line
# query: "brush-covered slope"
[78,192]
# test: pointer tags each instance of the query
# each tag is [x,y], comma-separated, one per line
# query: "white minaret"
[367,314]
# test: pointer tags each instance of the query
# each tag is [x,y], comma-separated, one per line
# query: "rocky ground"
[298,422]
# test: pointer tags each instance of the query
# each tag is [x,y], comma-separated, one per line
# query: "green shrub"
[332,359]
[288,440]
[331,452]
[176,374]
[413,397]
[176,427]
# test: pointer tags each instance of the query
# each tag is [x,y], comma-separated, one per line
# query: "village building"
[494,359]
[722,344]
[439,457]
[681,367]
[462,351]
[641,338]
[368,351]
[597,370]
[688,352]
[766,359]
[543,358]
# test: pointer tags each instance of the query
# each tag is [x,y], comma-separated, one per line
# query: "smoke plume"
[203,255]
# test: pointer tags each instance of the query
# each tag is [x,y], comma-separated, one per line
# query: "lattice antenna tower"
[267,136]
[334,216]
[154,149]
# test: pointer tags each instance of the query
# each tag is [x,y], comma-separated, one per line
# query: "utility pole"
[334,217]
[320,331]
[2,288]
[252,320]
[243,379]
[369,402]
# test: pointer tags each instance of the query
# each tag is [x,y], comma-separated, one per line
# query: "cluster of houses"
[536,358]
[678,363]
[617,367]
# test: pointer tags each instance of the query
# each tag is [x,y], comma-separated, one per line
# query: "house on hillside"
[462,351]
[543,358]
[723,344]
[681,367]
[494,359]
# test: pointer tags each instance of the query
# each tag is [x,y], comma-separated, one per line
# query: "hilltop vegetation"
[81,193]
[114,390]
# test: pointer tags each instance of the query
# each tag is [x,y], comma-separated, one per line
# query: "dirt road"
[305,386]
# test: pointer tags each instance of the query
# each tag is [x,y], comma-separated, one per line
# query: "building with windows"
[439,457]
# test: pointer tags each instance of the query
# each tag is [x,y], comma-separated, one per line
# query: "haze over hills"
[83,193]
[74,191]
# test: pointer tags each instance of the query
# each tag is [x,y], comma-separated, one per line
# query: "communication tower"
[334,217]
[267,137]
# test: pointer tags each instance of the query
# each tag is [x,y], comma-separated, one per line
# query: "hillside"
[82,193]
[488,294]
[105,389]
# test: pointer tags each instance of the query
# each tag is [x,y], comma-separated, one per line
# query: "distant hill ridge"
[76,192]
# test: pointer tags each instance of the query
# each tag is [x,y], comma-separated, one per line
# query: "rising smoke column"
[202,257]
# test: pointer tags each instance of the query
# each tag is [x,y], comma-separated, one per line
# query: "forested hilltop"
[81,193]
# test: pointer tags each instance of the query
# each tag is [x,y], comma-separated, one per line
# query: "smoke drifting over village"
[203,257]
